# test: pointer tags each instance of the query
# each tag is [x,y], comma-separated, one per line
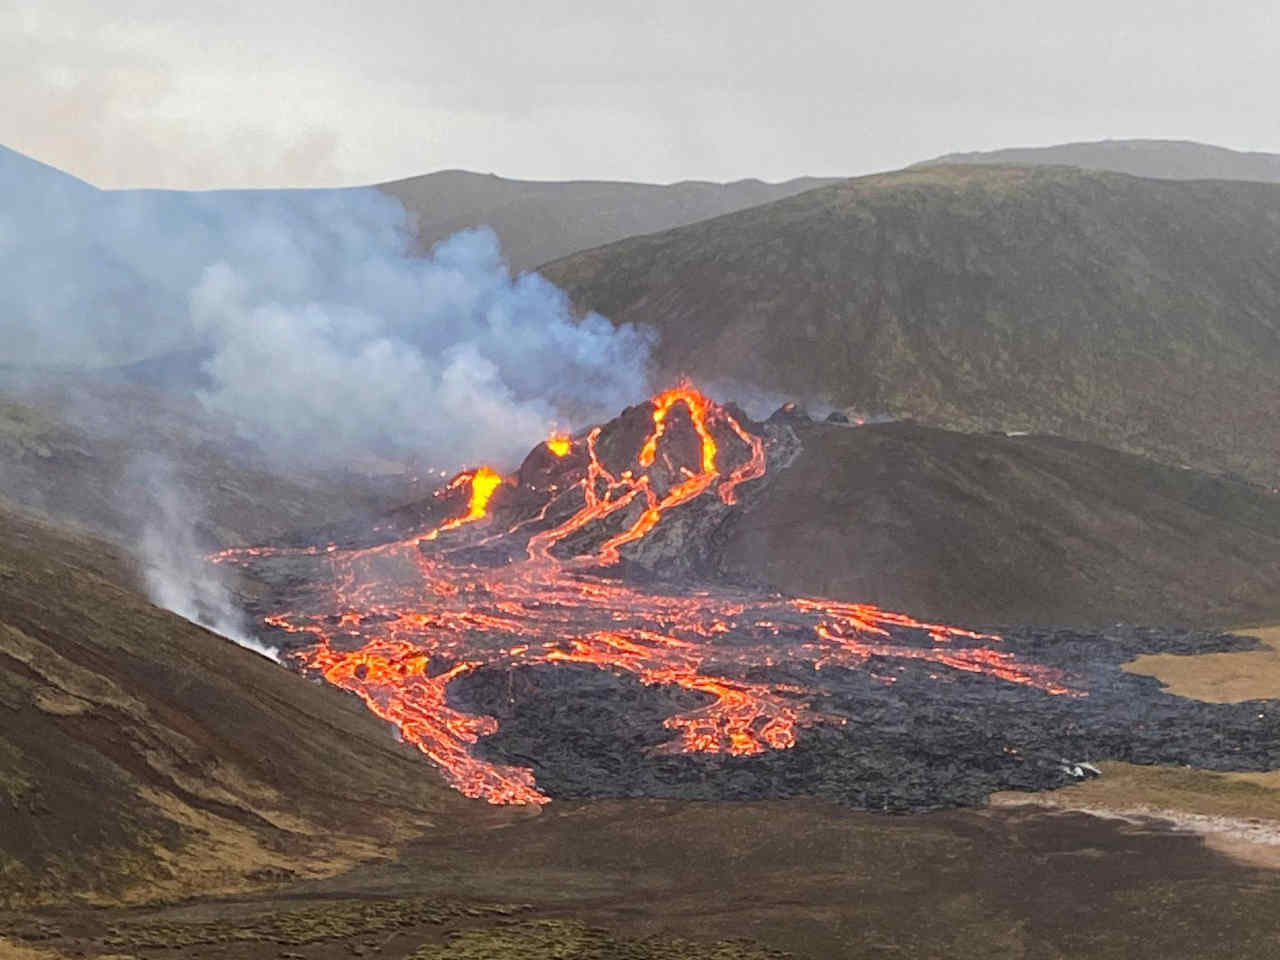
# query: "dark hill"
[994,529]
[1140,314]
[1163,159]
[539,221]
[142,756]
[968,528]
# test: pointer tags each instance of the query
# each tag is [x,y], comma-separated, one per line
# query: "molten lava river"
[576,558]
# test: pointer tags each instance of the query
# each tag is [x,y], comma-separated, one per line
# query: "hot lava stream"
[537,568]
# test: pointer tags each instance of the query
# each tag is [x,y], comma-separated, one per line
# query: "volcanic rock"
[598,628]
[927,740]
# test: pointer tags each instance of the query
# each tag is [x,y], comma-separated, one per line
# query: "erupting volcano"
[587,555]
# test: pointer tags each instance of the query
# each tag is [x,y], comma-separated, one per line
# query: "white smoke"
[326,333]
[177,578]
[307,318]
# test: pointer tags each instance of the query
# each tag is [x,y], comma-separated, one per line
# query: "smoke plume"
[304,318]
[176,576]
[314,323]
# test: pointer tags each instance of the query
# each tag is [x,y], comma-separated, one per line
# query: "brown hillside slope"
[1141,314]
[539,221]
[141,756]
[985,529]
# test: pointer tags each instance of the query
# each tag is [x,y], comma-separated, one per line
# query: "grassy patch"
[1128,787]
[558,940]
[1219,677]
[312,924]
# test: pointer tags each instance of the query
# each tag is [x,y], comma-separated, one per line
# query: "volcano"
[562,632]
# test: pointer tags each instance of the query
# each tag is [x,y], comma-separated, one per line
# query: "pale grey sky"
[280,92]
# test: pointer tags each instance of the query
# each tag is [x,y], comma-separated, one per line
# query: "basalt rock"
[927,740]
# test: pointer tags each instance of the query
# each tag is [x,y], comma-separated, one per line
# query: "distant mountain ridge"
[1137,313]
[1159,159]
[536,221]
[539,221]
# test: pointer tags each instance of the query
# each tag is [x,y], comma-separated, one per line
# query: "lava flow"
[530,570]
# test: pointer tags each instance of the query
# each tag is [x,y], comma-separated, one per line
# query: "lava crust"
[929,740]
[559,633]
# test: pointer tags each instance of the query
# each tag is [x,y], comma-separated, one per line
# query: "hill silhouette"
[1162,159]
[538,221]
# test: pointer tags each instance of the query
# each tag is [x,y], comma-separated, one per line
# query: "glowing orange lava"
[559,444]
[403,619]
[483,482]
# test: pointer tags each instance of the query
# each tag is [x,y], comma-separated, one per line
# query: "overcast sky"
[286,92]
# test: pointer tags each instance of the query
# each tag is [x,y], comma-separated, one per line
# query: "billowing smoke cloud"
[323,332]
[308,320]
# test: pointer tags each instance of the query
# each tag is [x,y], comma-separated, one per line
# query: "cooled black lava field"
[933,738]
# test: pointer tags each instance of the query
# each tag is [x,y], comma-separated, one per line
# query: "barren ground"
[679,880]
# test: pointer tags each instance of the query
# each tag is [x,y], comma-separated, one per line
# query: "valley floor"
[655,880]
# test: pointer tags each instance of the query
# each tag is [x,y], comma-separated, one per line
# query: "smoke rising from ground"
[177,578]
[325,334]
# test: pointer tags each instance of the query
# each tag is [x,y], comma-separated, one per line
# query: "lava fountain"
[542,567]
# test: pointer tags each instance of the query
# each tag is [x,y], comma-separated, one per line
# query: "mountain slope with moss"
[1141,314]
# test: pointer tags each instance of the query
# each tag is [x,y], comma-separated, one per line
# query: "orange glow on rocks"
[484,482]
[397,622]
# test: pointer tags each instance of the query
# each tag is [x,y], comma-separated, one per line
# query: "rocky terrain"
[184,766]
[1139,314]
[931,738]
[963,527]
[647,634]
